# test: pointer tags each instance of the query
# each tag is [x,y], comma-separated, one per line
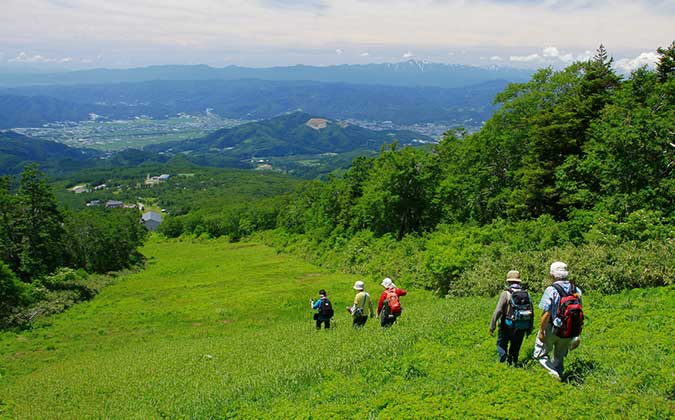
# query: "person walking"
[561,321]
[362,307]
[514,308]
[324,310]
[389,305]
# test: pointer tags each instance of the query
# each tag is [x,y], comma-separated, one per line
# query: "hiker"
[324,309]
[561,321]
[515,310]
[389,305]
[362,307]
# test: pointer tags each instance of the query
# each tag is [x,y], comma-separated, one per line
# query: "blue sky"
[519,33]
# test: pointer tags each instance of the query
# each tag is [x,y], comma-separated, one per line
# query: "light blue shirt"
[317,302]
[551,298]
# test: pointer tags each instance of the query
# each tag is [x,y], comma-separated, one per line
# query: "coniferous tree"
[665,67]
[40,224]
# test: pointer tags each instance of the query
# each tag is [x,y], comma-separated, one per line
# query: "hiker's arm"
[316,304]
[498,312]
[401,292]
[543,324]
[381,302]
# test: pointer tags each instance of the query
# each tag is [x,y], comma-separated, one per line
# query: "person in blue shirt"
[324,310]
[547,341]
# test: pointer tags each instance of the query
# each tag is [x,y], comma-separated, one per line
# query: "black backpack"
[520,314]
[326,309]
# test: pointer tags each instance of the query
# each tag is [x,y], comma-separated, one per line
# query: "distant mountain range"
[295,134]
[248,99]
[408,73]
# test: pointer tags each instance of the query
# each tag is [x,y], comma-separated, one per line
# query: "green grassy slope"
[212,329]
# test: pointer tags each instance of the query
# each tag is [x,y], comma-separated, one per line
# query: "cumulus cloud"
[525,58]
[648,59]
[407,54]
[22,57]
[339,51]
[552,55]
[496,58]
[365,54]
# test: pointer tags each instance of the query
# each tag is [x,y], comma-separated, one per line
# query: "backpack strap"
[560,290]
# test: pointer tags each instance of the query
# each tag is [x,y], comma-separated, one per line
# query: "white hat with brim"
[513,276]
[387,283]
[559,270]
[359,285]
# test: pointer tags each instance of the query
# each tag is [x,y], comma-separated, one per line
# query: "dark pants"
[320,321]
[387,319]
[359,321]
[509,341]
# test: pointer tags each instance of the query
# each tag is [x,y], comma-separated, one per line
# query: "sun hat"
[358,285]
[513,276]
[559,270]
[387,283]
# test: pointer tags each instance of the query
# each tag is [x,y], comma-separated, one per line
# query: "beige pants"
[552,343]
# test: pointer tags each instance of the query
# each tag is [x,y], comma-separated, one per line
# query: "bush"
[594,267]
[13,293]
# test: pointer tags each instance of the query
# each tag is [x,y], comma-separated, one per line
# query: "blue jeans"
[509,341]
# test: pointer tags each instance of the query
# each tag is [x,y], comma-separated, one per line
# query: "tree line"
[578,157]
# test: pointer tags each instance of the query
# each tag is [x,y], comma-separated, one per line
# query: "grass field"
[212,329]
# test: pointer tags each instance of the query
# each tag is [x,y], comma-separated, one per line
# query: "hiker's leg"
[502,343]
[562,346]
[318,324]
[516,342]
[543,348]
[327,324]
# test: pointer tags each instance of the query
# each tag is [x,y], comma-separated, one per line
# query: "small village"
[150,219]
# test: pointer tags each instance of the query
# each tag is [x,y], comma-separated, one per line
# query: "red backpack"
[570,314]
[393,301]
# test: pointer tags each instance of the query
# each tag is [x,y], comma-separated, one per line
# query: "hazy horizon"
[85,34]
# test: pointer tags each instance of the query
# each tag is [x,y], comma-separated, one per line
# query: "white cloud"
[552,55]
[365,54]
[525,58]
[283,31]
[496,58]
[407,54]
[339,51]
[22,57]
[648,59]
[551,52]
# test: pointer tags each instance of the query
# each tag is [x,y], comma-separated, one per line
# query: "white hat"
[559,270]
[387,283]
[358,285]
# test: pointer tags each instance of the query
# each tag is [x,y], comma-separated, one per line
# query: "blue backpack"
[520,314]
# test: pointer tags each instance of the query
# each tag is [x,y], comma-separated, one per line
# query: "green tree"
[399,196]
[9,229]
[666,64]
[40,226]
